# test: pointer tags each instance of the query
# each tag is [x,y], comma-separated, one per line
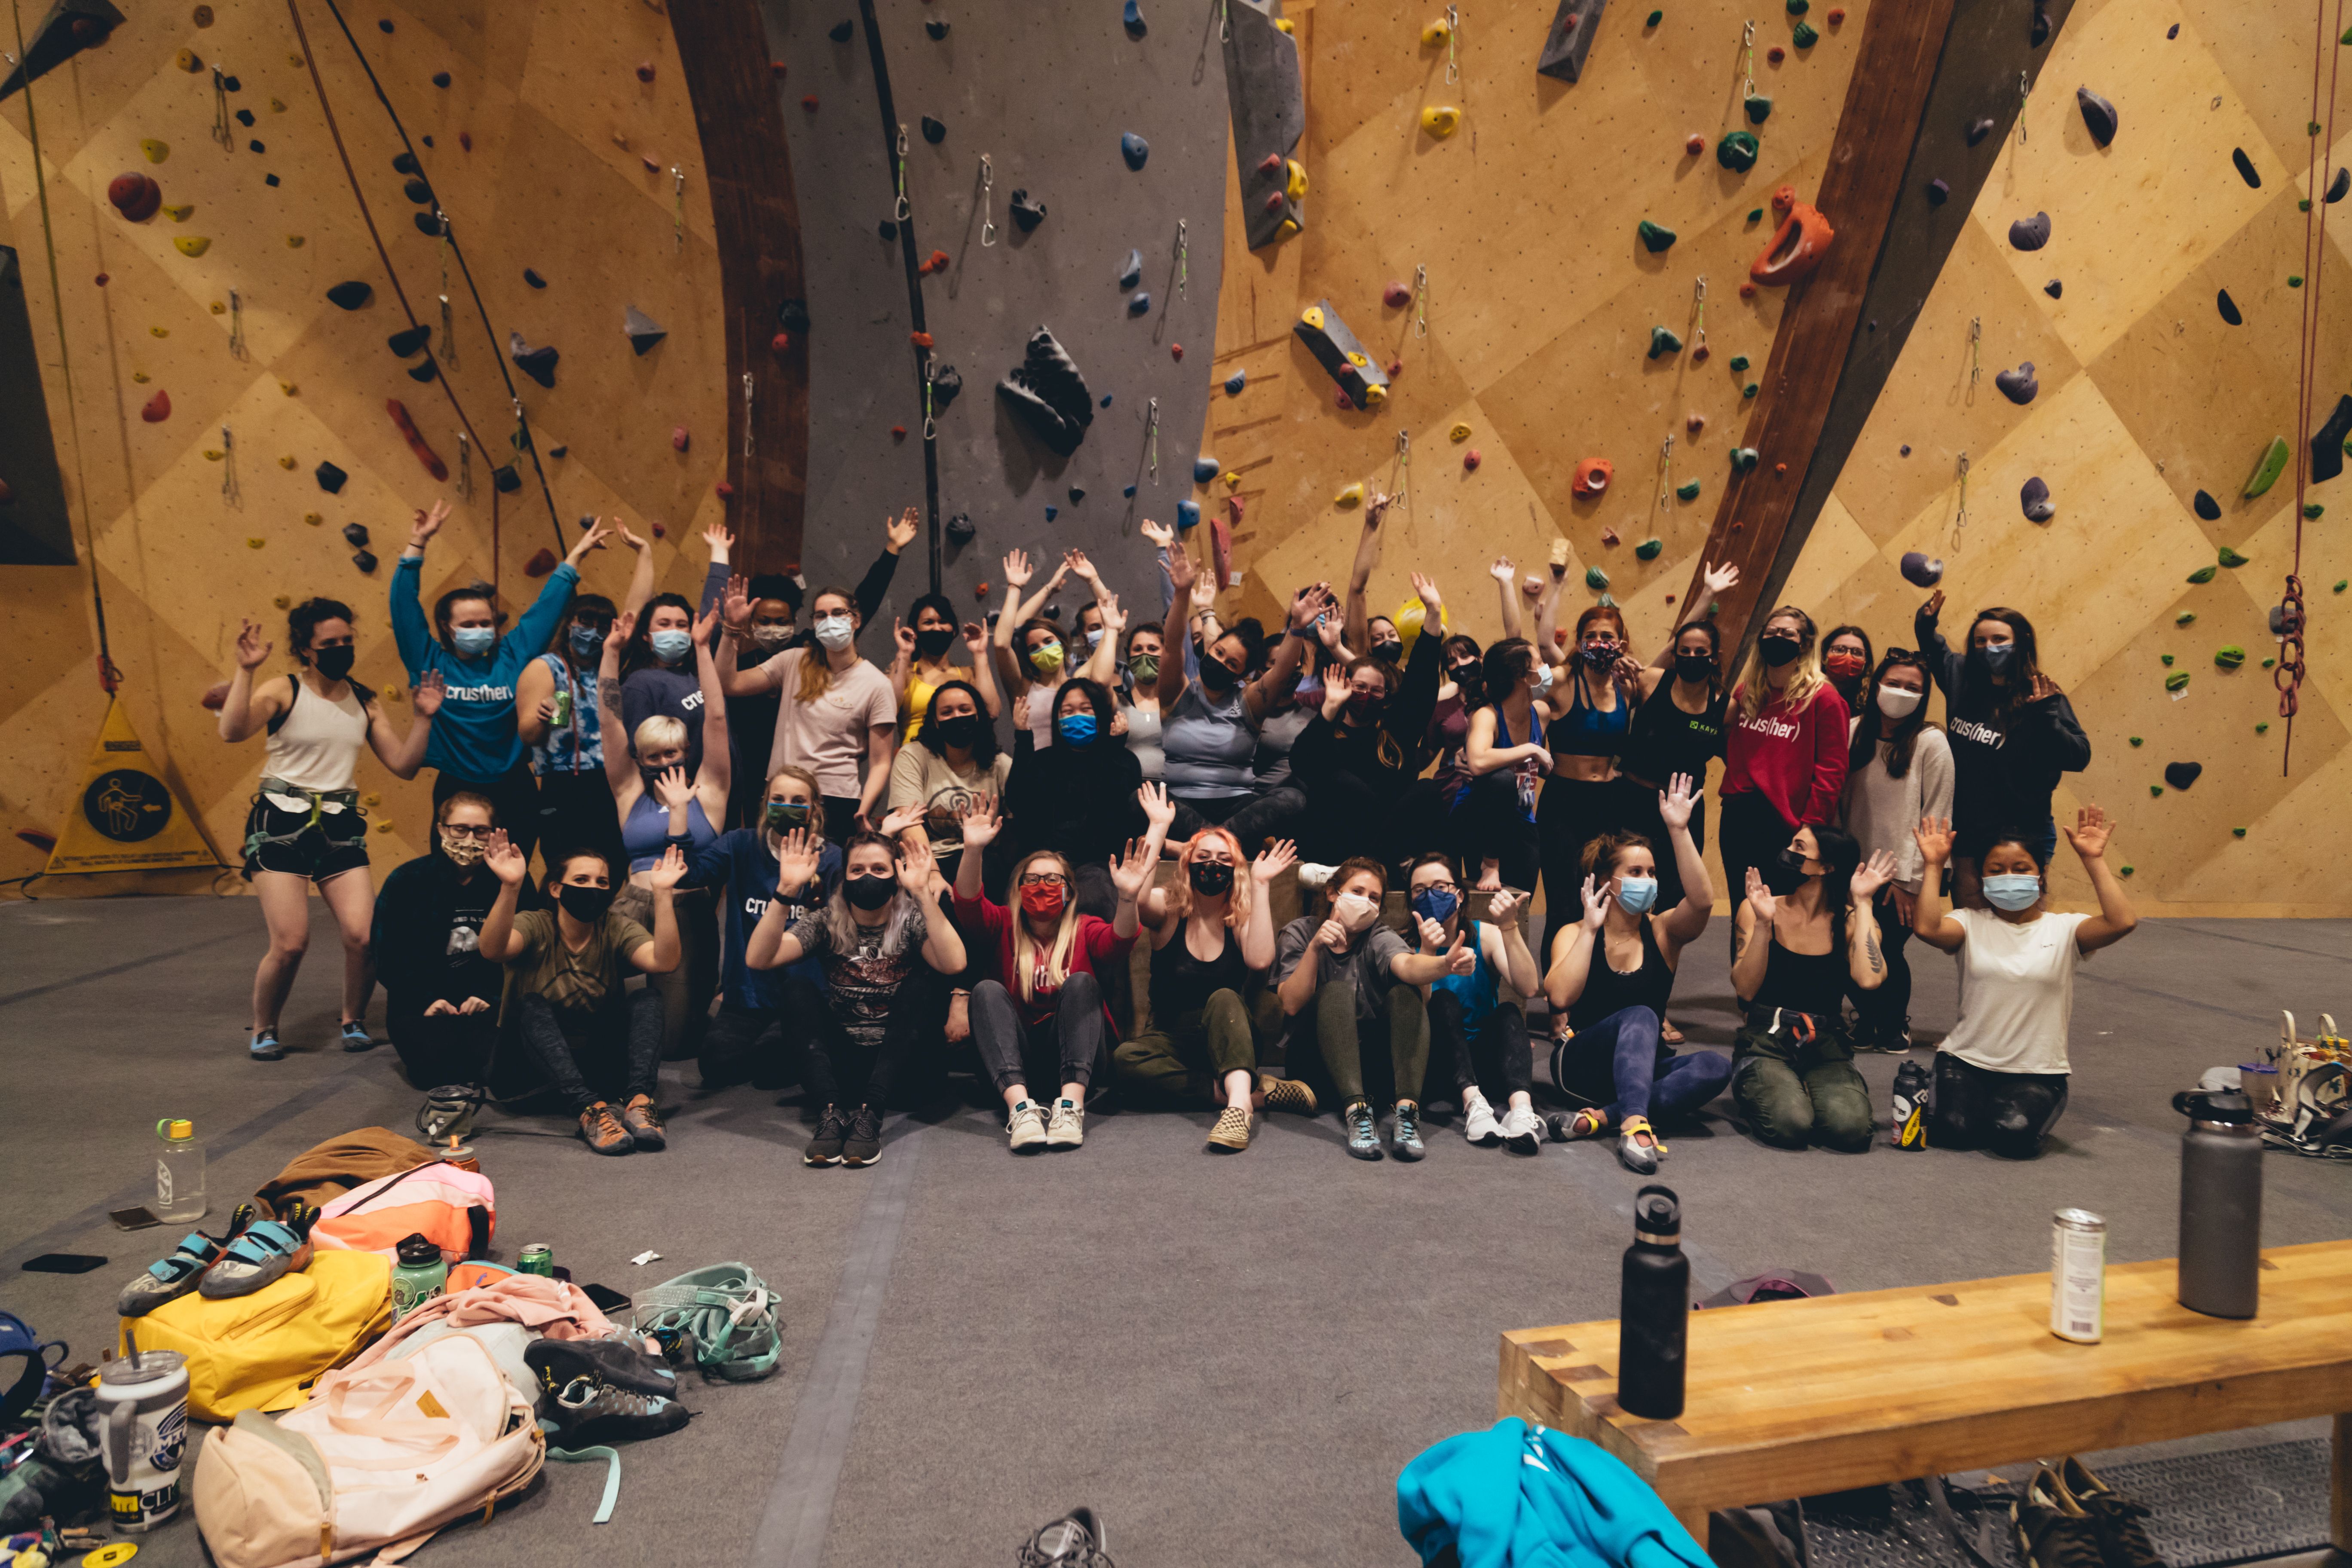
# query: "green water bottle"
[420,1275]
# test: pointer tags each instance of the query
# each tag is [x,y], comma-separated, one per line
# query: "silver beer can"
[2078,1275]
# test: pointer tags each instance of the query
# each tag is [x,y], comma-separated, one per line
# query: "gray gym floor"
[1229,1358]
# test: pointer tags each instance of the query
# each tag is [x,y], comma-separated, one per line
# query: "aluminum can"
[537,1258]
[2078,1275]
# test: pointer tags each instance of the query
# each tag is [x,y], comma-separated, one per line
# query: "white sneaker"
[1523,1130]
[1027,1129]
[1068,1128]
[1478,1123]
[1312,876]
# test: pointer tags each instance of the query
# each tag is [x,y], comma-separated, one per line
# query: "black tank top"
[1803,982]
[1182,985]
[1606,991]
[1665,741]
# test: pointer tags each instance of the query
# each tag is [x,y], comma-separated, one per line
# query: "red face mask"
[1043,900]
[1850,665]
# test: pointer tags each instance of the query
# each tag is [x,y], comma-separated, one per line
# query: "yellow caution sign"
[126,817]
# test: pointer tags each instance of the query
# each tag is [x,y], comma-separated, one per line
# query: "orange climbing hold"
[424,454]
[897,432]
[921,340]
[1695,145]
[780,342]
[1782,200]
[1795,250]
[809,103]
[1177,350]
[1592,476]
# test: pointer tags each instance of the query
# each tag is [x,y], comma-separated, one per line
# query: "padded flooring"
[1229,1357]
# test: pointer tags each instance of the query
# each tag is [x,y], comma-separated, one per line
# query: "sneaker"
[1313,875]
[1639,1149]
[1478,1123]
[1897,1037]
[264,1047]
[1232,1129]
[2116,1517]
[587,1406]
[620,1362]
[1910,1117]
[1025,1130]
[644,1122]
[1522,1130]
[356,1037]
[2052,1531]
[1067,1127]
[603,1133]
[1404,1131]
[1286,1094]
[824,1144]
[1363,1136]
[864,1144]
[1073,1541]
[1567,1126]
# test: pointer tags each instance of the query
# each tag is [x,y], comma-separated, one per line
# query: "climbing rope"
[448,322]
[894,141]
[229,491]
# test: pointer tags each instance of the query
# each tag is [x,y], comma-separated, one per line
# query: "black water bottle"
[1654,1308]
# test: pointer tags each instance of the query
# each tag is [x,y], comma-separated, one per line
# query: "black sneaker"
[824,1144]
[618,1362]
[2116,1517]
[1363,1133]
[1073,1541]
[864,1144]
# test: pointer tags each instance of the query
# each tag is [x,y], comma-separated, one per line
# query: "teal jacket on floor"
[1519,1497]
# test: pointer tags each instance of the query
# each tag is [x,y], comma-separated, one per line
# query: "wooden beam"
[755,217]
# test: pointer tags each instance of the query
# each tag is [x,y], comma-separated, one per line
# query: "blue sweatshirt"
[742,860]
[473,734]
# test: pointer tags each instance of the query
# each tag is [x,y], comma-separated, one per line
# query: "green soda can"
[537,1258]
[562,711]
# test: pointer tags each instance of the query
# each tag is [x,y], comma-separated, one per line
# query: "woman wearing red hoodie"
[1784,750]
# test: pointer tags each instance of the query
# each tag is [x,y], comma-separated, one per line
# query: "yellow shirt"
[919,699]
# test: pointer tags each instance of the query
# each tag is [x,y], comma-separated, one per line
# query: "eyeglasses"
[453,830]
[1043,880]
[1437,888]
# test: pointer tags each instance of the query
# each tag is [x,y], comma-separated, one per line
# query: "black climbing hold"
[1076,495]
[2229,309]
[936,28]
[2173,31]
[1026,212]
[506,479]
[330,477]
[792,315]
[440,78]
[1130,271]
[959,529]
[355,534]
[1573,25]
[1049,395]
[350,296]
[537,363]
[946,385]
[405,164]
[2340,186]
[230,84]
[2040,33]
[2098,115]
[2018,385]
[1938,192]
[1920,570]
[887,228]
[1132,20]
[254,147]
[533,279]
[364,559]
[2053,288]
[1137,303]
[2246,167]
[408,340]
[1758,107]
[417,191]
[245,117]
[2034,498]
[270,180]
[642,330]
[1134,149]
[428,141]
[839,32]
[934,132]
[428,225]
[2180,776]
[2327,444]
[385,24]
[2206,507]
[2030,233]
[1979,131]
[1874,324]
[558,451]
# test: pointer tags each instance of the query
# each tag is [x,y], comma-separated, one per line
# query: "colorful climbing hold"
[2164,659]
[2034,498]
[1353,496]
[2228,655]
[1649,549]
[642,330]
[1134,149]
[2272,464]
[2136,740]
[1978,130]
[1188,515]
[1687,491]
[1235,381]
[1132,20]
[2175,680]
[1595,578]
[1593,477]
[2203,574]
[1737,151]
[1738,362]
[2230,558]
[1920,571]
[1655,237]
[136,196]
[2206,507]
[1757,107]
[1743,458]
[158,408]
[1804,35]
[2018,385]
[192,245]
[2246,170]
[1939,191]
[1440,120]
[1796,249]
[1471,460]
[2053,288]
[1137,303]
[1694,143]
[1205,468]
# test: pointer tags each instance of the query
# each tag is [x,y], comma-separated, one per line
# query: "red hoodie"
[1795,759]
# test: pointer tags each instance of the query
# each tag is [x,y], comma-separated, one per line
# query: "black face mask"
[1388,652]
[1465,675]
[1784,871]
[1695,668]
[1778,651]
[334,663]
[1211,877]
[934,641]
[784,815]
[870,893]
[586,905]
[652,777]
[1600,655]
[1218,676]
[961,731]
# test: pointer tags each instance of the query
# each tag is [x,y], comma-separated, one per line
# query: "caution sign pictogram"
[125,817]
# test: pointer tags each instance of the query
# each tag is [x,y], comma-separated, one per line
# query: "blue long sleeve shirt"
[473,734]
[742,860]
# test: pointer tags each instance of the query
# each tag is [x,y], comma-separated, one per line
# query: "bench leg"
[2340,1486]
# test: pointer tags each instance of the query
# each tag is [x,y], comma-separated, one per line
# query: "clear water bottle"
[179,1172]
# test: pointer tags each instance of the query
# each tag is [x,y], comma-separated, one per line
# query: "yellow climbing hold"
[157,150]
[1232,481]
[293,242]
[1313,317]
[253,544]
[283,601]
[1375,395]
[383,824]
[1352,495]
[1440,120]
[1459,432]
[1282,25]
[187,61]
[192,245]
[287,462]
[140,376]
[277,106]
[1296,186]
[1289,227]
[1437,32]
[313,519]
[219,308]
[211,457]
[288,388]
[161,331]
[180,214]
[1359,361]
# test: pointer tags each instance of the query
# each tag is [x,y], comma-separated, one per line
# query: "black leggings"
[1067,1046]
[556,1037]
[1251,818]
[1493,828]
[1490,1052]
[514,798]
[837,1069]
[1752,834]
[576,812]
[746,1044]
[446,1048]
[2009,1113]
[1886,1010]
[1571,815]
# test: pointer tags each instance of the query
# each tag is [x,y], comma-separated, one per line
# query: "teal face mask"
[2013,890]
[472,642]
[1636,894]
[784,815]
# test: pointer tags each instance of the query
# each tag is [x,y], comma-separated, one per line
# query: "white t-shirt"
[2017,991]
[829,736]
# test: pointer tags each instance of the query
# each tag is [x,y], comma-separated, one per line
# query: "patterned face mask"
[461,851]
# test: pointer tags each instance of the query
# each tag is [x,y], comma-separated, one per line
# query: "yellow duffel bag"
[263,1352]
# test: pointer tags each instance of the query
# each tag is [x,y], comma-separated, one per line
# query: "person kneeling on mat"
[1613,974]
[440,995]
[569,965]
[2002,1073]
[1478,1037]
[1793,1072]
[856,1034]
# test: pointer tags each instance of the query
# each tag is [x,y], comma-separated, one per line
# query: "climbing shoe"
[1232,1129]
[620,1362]
[264,1047]
[1910,1118]
[1363,1134]
[261,1255]
[2116,1517]
[1404,1131]
[1024,1129]
[2051,1530]
[1522,1130]
[1567,1126]
[644,1122]
[824,1144]
[1067,1128]
[1639,1149]
[603,1133]
[356,1037]
[864,1144]
[171,1276]
[1286,1094]
[587,1406]
[1073,1541]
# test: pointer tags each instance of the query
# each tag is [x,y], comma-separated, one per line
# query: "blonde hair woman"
[1784,753]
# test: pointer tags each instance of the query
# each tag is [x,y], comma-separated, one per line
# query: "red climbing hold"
[1837,15]
[424,454]
[1782,200]
[136,196]
[661,533]
[679,440]
[1698,353]
[1177,350]
[1695,145]
[1341,393]
[645,71]
[897,432]
[465,140]
[541,563]
[921,340]
[1273,200]
[1471,460]
[979,590]
[1746,289]
[1781,468]
[722,490]
[1803,238]
[939,261]
[1775,54]
[1270,165]
[158,409]
[102,280]
[780,342]
[1395,366]
[1396,295]
[809,103]
[776,70]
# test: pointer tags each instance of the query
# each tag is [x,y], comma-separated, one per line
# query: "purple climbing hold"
[1938,192]
[2246,167]
[2098,115]
[2018,385]
[1906,449]
[2034,496]
[1921,571]
[2173,31]
[2229,309]
[2030,233]
[2340,186]
[2180,776]
[1134,149]
[537,363]
[2053,288]
[1979,131]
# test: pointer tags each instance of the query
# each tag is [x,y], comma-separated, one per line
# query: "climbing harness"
[1151,440]
[902,210]
[235,325]
[678,207]
[987,185]
[222,131]
[1452,42]
[318,801]
[229,492]
[1960,520]
[2287,676]
[1181,253]
[1420,301]
[747,412]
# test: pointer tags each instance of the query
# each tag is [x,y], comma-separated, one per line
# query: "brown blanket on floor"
[322,1174]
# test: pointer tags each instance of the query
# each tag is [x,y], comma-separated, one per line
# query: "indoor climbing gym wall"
[257,360]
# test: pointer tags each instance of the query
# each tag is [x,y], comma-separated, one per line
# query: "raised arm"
[1864,960]
[1547,637]
[1505,924]
[1175,632]
[897,534]
[717,774]
[735,612]
[722,545]
[660,955]
[410,633]
[1272,691]
[1103,663]
[1752,941]
[641,575]
[620,765]
[404,754]
[1572,950]
[1035,605]
[1507,580]
[1714,582]
[983,669]
[1017,573]
[983,819]
[537,624]
[769,945]
[535,702]
[1683,924]
[1257,930]
[507,863]
[1360,572]
[242,711]
[2115,920]
[1929,920]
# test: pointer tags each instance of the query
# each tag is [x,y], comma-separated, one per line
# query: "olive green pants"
[1342,1039]
[1794,1093]
[1182,1061]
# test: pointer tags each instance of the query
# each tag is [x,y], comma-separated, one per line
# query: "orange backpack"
[455,1209]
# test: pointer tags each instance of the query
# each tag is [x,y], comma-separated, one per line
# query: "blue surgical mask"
[1636,894]
[1076,729]
[1997,656]
[587,641]
[670,645]
[472,642]
[2013,890]
[1436,903]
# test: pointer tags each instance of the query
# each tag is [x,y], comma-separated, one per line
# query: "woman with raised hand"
[1798,939]
[880,925]
[2013,734]
[838,716]
[1360,758]
[1899,772]
[558,717]
[1678,725]
[1611,974]
[1478,1037]
[2002,1073]
[568,967]
[1077,796]
[950,764]
[1139,699]
[1591,716]
[924,663]
[476,746]
[1784,756]
[304,826]
[659,673]
[1502,769]
[1032,657]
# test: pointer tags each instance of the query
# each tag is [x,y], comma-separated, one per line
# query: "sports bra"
[1585,731]
[1811,983]
[647,829]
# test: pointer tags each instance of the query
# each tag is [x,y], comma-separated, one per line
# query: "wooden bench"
[1790,1398]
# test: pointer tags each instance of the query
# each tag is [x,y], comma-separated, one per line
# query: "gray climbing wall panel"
[1045,92]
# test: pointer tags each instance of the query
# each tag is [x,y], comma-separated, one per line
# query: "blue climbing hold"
[1188,514]
[1235,381]
[1130,271]
[1134,149]
[1204,469]
[1137,303]
[1128,492]
[1133,20]
[1105,400]
[1052,512]
[1076,495]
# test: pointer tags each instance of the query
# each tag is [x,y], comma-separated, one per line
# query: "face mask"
[870,893]
[1599,654]
[1436,903]
[1997,656]
[461,851]
[1075,728]
[834,632]
[586,905]
[1211,877]
[334,663]
[473,642]
[1636,894]
[1788,869]
[670,645]
[1094,640]
[1354,912]
[2013,890]
[1365,706]
[1145,668]
[1843,667]
[784,815]
[587,641]
[1465,675]
[771,635]
[1218,676]
[1388,652]
[1695,668]
[1045,658]
[1898,703]
[961,731]
[650,777]
[1778,650]
[1043,900]
[1542,679]
[933,641]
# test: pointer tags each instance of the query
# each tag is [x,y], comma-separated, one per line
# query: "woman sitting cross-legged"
[854,1036]
[1042,1005]
[569,965]
[1479,1038]
[1612,972]
[1802,931]
[1211,933]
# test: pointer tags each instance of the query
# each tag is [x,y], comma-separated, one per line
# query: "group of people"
[844,855]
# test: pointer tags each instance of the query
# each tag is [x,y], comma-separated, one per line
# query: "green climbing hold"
[2342,585]
[2303,206]
[2263,729]
[2126,870]
[2175,680]
[1798,7]
[1758,107]
[1648,549]
[2237,833]
[2155,790]
[2184,617]
[1595,578]
[1804,37]
[1605,602]
[2268,662]
[1655,237]
[1655,16]
[2313,509]
[2136,740]
[2164,659]
[1688,491]
[1740,362]
[2347,39]
[1743,458]
[2266,472]
[1755,215]
[2202,574]
[1750,390]
[1736,152]
[2228,655]
[1664,342]
[2231,558]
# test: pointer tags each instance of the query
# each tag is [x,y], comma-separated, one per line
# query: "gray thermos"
[2220,1205]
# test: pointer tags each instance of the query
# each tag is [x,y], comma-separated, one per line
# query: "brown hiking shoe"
[643,1123]
[603,1133]
[1286,1094]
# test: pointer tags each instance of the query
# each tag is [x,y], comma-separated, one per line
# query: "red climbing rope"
[2288,676]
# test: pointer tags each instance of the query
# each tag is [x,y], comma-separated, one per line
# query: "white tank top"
[315,743]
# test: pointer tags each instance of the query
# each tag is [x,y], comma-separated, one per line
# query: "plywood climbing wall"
[551,146]
[1535,327]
